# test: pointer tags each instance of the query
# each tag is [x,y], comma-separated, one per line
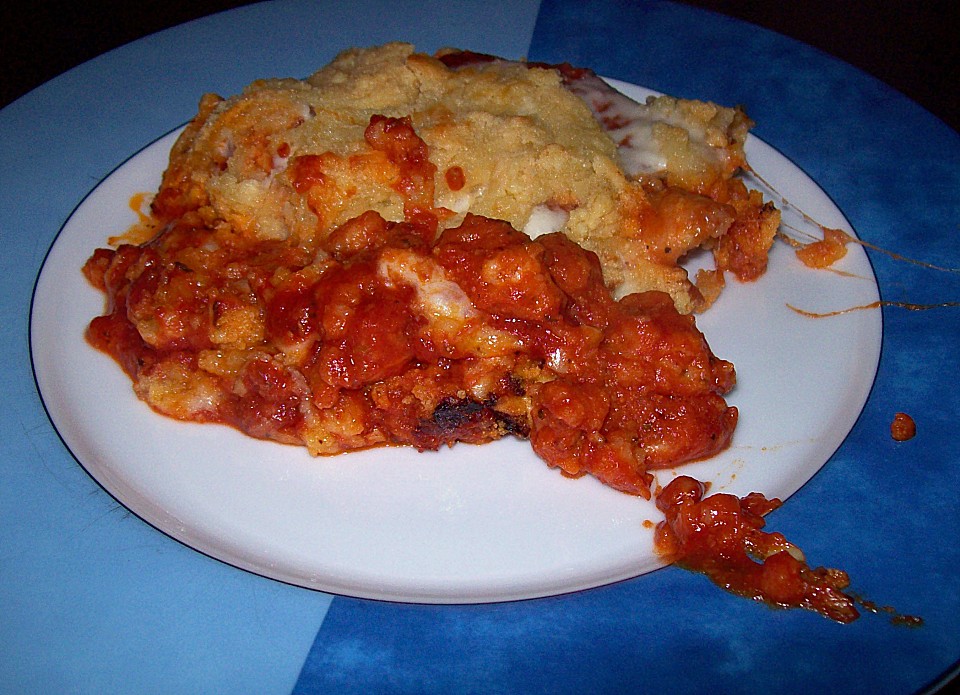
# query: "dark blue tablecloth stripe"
[885,511]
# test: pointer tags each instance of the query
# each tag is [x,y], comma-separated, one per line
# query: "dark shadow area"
[44,39]
[911,46]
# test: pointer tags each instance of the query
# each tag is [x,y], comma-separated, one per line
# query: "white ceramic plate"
[471,523]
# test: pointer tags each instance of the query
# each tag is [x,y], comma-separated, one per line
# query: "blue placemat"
[881,509]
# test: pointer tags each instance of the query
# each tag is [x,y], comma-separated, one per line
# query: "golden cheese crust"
[492,123]
[287,160]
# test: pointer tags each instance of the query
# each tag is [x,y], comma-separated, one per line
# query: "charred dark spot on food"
[514,385]
[459,59]
[467,420]
[453,413]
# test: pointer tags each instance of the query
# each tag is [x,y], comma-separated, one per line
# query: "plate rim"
[239,562]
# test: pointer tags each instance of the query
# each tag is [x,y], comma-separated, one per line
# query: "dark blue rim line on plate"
[328,591]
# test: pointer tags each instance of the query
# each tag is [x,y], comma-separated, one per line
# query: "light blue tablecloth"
[94,600]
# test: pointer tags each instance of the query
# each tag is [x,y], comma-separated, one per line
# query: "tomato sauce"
[390,333]
[721,536]
[903,427]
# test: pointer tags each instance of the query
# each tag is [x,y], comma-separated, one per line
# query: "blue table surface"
[92,599]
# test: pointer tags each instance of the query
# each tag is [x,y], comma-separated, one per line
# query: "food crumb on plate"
[903,427]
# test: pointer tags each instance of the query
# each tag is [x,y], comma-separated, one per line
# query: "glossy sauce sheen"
[721,536]
[389,333]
